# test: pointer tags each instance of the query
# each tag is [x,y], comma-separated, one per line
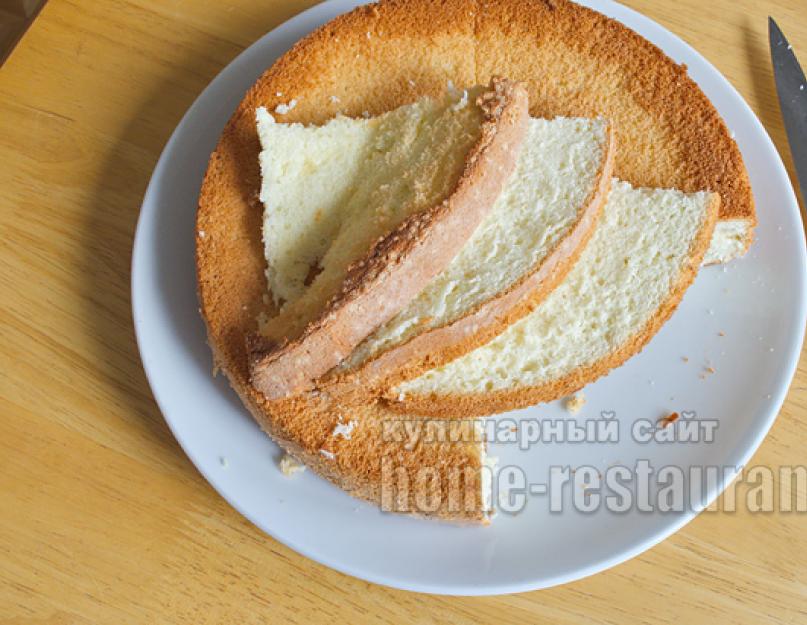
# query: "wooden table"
[103,519]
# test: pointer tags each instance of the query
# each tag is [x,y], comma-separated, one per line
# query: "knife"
[792,89]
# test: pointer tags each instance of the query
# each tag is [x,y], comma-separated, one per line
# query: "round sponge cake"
[574,62]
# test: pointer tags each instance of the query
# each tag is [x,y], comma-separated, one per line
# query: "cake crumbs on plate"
[289,465]
[668,420]
[575,403]
[685,358]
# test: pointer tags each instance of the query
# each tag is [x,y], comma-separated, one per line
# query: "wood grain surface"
[103,519]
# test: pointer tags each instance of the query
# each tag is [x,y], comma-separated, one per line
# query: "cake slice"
[520,252]
[628,281]
[363,218]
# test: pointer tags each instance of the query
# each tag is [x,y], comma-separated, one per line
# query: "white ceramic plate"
[759,303]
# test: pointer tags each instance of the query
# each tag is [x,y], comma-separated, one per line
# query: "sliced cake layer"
[523,248]
[329,192]
[386,219]
[628,281]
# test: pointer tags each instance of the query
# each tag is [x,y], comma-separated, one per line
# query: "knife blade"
[792,89]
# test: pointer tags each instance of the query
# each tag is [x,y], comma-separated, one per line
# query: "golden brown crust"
[384,460]
[449,405]
[576,61]
[442,344]
[401,263]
